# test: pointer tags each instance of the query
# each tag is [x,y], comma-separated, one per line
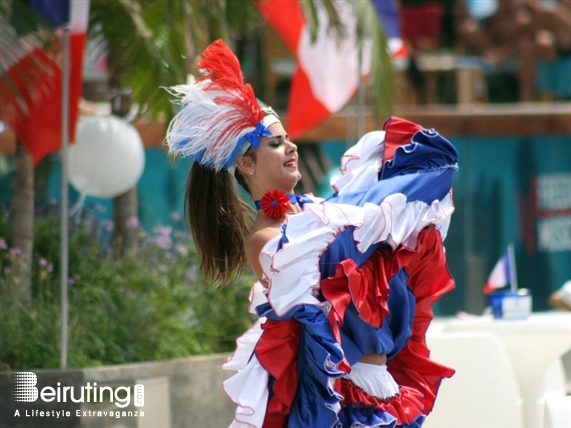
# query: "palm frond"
[142,54]
[335,26]
[153,44]
[381,75]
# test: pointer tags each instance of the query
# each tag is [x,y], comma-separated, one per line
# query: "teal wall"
[514,190]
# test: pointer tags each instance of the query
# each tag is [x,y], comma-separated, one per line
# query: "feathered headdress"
[220,115]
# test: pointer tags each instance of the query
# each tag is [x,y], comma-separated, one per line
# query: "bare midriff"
[378,359]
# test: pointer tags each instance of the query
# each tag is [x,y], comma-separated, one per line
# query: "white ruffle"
[360,165]
[293,271]
[257,296]
[245,347]
[248,389]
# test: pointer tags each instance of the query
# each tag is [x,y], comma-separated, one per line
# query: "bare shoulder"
[259,238]
[255,242]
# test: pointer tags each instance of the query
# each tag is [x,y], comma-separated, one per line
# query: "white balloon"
[107,158]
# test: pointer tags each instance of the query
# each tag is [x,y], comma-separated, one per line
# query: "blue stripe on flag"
[507,267]
[387,13]
[56,12]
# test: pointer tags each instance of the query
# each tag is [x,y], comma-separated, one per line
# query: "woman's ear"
[244,164]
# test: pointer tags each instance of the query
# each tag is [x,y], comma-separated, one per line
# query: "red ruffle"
[429,279]
[406,406]
[277,352]
[399,133]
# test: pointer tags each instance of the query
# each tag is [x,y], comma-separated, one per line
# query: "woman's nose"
[292,147]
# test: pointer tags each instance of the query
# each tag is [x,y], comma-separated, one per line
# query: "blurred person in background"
[515,33]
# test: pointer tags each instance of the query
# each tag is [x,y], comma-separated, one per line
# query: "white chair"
[558,412]
[484,391]
[535,347]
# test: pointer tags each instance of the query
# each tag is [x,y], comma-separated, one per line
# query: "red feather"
[219,65]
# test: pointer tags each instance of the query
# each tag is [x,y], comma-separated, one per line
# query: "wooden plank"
[152,135]
[450,121]
[479,121]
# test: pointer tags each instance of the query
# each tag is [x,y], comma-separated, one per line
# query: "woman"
[346,285]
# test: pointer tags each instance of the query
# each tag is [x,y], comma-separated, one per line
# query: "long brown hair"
[220,222]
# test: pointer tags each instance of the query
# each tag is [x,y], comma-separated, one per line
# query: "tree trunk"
[125,218]
[125,206]
[23,222]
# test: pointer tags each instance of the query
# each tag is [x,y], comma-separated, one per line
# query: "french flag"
[35,71]
[326,75]
[504,273]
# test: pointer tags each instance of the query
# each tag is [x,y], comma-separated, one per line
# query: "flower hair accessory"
[275,203]
[220,115]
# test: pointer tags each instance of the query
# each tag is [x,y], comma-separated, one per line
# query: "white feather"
[202,126]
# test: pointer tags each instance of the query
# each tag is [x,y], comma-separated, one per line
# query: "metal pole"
[513,270]
[361,94]
[64,195]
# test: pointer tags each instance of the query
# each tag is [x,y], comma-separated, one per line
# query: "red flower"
[275,203]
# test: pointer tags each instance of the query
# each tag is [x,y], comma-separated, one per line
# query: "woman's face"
[275,166]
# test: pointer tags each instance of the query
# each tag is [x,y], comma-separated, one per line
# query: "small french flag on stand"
[504,273]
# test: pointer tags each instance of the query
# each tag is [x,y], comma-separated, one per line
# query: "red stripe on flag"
[33,107]
[307,111]
[327,72]
[286,18]
[39,129]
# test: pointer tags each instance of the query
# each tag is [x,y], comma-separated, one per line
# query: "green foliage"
[146,307]
[153,44]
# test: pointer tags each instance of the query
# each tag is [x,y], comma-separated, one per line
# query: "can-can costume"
[354,274]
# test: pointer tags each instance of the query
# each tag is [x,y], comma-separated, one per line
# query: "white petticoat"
[374,379]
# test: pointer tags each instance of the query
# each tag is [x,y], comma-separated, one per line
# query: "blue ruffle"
[319,354]
[427,151]
[359,338]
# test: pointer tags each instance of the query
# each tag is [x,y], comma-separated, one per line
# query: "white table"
[533,345]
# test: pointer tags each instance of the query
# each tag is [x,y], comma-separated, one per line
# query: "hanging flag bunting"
[33,106]
[327,70]
[388,14]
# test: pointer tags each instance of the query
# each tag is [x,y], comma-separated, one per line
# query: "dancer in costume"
[345,285]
